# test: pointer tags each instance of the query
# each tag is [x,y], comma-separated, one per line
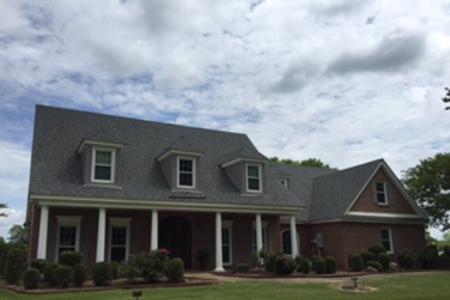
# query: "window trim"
[386,202]
[229,226]
[67,221]
[260,178]
[119,222]
[113,164]
[391,242]
[282,242]
[194,171]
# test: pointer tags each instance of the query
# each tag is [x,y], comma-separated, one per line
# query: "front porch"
[113,234]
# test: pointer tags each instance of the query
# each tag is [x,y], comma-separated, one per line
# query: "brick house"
[111,187]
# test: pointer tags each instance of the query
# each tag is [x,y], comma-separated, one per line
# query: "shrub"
[377,250]
[356,263]
[101,274]
[318,265]
[269,260]
[443,261]
[284,265]
[15,265]
[241,268]
[114,269]
[315,257]
[298,263]
[384,259]
[330,265]
[64,276]
[175,270]
[366,256]
[374,264]
[407,260]
[428,258]
[50,274]
[151,265]
[31,279]
[79,275]
[306,266]
[203,258]
[39,264]
[129,272]
[70,258]
[446,250]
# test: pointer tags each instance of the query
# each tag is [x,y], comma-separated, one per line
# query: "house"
[112,186]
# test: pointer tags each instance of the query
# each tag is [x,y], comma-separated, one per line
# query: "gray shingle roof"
[57,170]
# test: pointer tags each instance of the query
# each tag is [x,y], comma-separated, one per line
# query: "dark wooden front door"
[175,236]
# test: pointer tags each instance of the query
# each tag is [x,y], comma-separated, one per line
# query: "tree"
[18,235]
[429,184]
[310,162]
[446,99]
[2,214]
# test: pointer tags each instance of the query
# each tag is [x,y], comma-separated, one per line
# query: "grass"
[403,287]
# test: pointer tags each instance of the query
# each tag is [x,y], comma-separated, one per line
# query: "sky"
[346,81]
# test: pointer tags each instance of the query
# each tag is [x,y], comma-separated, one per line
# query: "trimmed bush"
[384,259]
[15,265]
[330,265]
[79,275]
[377,250]
[407,260]
[284,265]
[101,274]
[318,265]
[39,264]
[428,258]
[374,264]
[203,258]
[366,256]
[50,274]
[269,260]
[70,258]
[129,272]
[298,263]
[306,266]
[31,279]
[356,263]
[64,276]
[114,269]
[241,268]
[175,270]
[151,265]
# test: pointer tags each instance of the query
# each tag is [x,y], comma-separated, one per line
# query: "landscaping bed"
[268,275]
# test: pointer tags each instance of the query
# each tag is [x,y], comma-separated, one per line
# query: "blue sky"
[344,81]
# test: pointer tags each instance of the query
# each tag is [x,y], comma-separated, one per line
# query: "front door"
[175,236]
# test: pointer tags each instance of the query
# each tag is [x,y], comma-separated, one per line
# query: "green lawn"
[405,287]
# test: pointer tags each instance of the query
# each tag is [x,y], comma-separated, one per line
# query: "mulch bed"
[266,275]
[117,284]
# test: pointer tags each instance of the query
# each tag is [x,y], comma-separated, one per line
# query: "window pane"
[186,165]
[103,157]
[380,187]
[102,173]
[225,236]
[226,254]
[381,198]
[253,184]
[287,248]
[67,236]
[118,254]
[253,171]
[385,234]
[186,179]
[386,245]
[119,236]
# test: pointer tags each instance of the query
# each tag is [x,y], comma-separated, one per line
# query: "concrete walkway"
[308,279]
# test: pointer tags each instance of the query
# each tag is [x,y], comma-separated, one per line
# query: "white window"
[227,243]
[386,239]
[284,182]
[103,161]
[119,239]
[287,241]
[186,172]
[253,172]
[381,192]
[264,236]
[68,234]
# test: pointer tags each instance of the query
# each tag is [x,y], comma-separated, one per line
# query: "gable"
[397,203]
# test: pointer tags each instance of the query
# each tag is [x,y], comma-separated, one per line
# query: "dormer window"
[103,165]
[253,178]
[185,172]
[381,193]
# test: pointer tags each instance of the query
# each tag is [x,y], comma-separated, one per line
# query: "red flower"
[164,251]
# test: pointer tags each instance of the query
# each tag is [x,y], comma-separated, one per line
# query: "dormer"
[247,171]
[180,165]
[100,162]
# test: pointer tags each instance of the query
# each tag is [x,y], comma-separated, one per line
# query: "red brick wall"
[396,201]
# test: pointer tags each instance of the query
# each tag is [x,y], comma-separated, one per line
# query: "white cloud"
[13,217]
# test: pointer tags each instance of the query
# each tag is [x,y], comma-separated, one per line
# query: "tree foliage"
[2,214]
[18,235]
[446,99]
[429,184]
[310,162]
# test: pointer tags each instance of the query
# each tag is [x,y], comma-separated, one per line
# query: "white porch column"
[294,243]
[258,227]
[43,233]
[101,235]
[219,261]
[154,234]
